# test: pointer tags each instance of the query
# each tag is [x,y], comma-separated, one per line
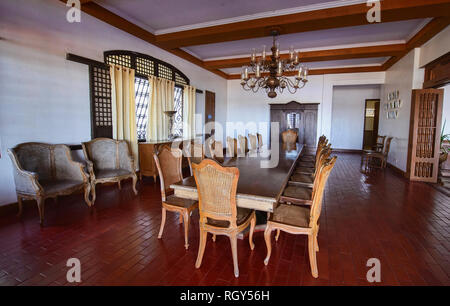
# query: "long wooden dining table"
[258,188]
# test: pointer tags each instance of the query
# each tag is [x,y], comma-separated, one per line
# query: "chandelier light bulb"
[263,55]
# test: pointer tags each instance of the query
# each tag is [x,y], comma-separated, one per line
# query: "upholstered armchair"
[109,160]
[46,171]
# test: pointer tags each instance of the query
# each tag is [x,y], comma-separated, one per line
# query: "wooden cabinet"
[424,135]
[301,117]
[147,165]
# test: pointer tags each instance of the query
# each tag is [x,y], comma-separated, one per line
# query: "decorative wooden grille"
[178,107]
[101,113]
[142,96]
[424,136]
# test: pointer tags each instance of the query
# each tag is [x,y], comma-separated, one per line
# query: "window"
[141,87]
[144,66]
[293,120]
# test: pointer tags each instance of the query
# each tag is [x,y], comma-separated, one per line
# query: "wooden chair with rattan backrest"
[243,145]
[195,154]
[232,147]
[219,215]
[300,220]
[168,163]
[379,145]
[298,194]
[260,141]
[253,142]
[369,157]
[217,151]
[289,136]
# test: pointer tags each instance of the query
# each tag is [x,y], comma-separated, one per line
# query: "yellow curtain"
[161,100]
[124,107]
[189,111]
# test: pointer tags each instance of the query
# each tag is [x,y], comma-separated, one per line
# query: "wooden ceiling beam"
[325,71]
[320,55]
[99,12]
[353,15]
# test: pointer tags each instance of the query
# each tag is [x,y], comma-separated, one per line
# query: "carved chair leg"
[93,193]
[120,185]
[134,184]
[233,241]
[201,248]
[267,234]
[163,222]
[252,229]
[214,237]
[312,255]
[40,203]
[277,235]
[87,191]
[186,229]
[180,218]
[316,243]
[20,204]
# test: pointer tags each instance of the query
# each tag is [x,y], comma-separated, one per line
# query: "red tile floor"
[381,215]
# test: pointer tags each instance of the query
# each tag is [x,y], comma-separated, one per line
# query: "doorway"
[210,111]
[371,119]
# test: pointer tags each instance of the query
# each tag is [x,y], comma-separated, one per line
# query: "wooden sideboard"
[147,165]
[305,120]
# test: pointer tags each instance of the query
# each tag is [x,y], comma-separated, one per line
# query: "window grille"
[142,103]
[101,102]
[178,107]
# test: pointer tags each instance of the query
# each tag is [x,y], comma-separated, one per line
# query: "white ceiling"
[164,16]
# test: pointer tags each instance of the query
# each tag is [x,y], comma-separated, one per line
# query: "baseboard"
[353,151]
[397,170]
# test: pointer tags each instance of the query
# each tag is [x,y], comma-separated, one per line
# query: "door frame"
[377,114]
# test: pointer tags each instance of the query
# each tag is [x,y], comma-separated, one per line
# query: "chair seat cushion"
[110,173]
[291,215]
[242,215]
[307,158]
[57,186]
[298,192]
[302,178]
[180,202]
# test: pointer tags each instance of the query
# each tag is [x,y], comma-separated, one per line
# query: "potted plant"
[444,149]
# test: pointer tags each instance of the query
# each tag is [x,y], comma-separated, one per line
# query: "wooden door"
[210,107]
[310,123]
[370,130]
[424,134]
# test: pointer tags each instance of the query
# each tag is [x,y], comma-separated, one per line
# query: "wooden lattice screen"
[424,134]
[101,113]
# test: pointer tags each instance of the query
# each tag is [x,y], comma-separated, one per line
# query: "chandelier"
[271,74]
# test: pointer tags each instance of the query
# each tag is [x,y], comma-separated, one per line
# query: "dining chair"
[260,141]
[217,151]
[371,157]
[299,194]
[289,136]
[309,167]
[168,163]
[307,179]
[231,147]
[243,145]
[253,142]
[378,147]
[300,220]
[308,155]
[195,154]
[219,215]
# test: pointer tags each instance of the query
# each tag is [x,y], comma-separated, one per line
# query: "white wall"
[347,124]
[45,98]
[404,76]
[446,109]
[248,107]
[435,47]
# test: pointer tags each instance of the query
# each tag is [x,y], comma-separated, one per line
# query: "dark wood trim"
[351,151]
[321,55]
[324,71]
[345,16]
[86,61]
[437,72]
